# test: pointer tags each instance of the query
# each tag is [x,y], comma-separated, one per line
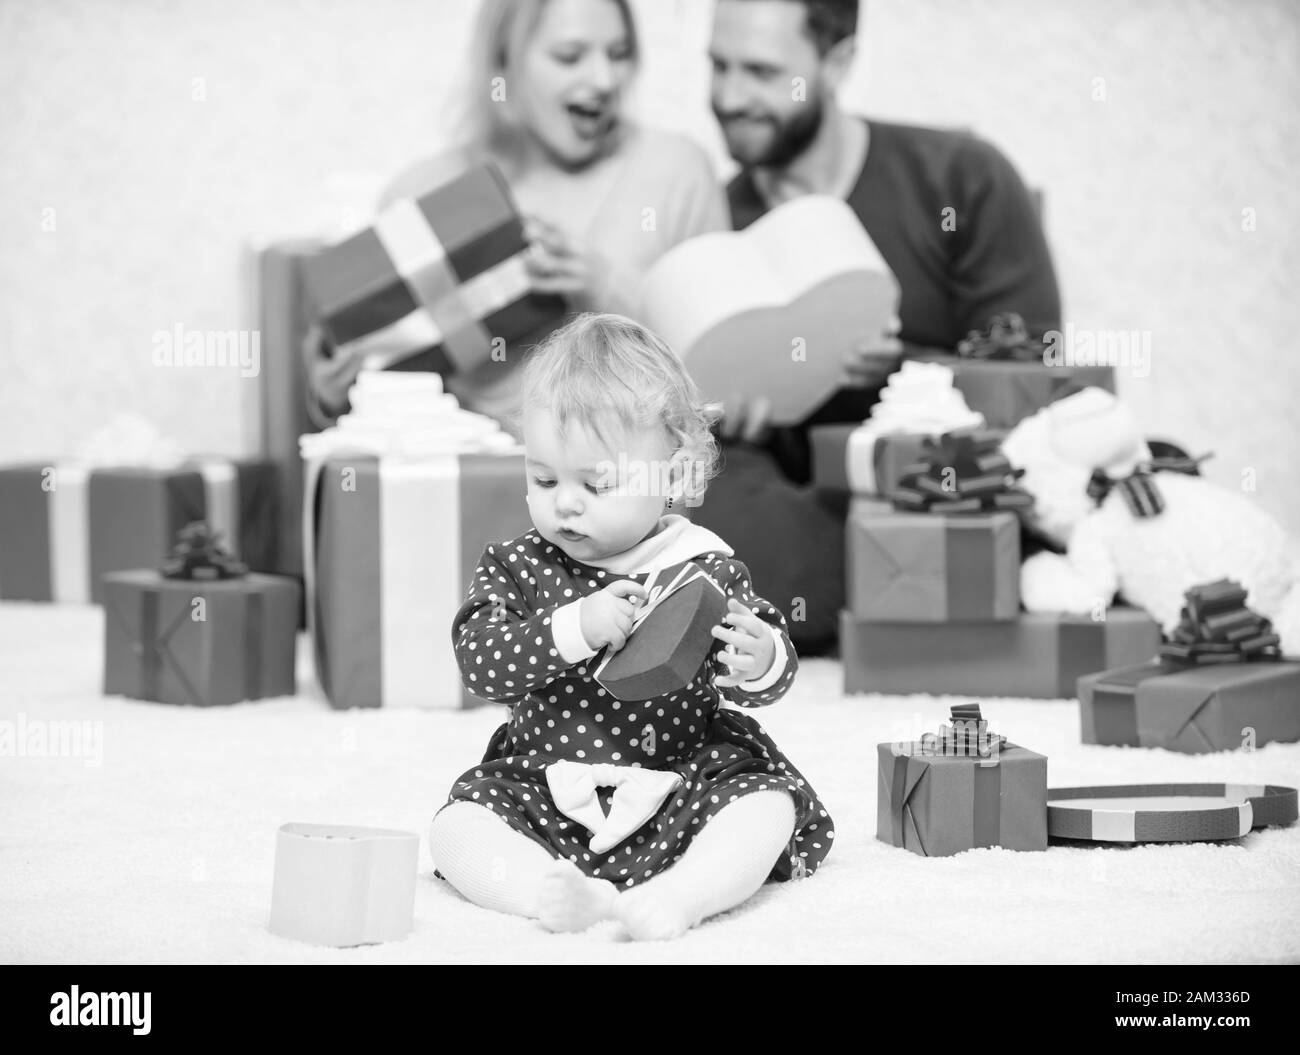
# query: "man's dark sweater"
[953,277]
[989,256]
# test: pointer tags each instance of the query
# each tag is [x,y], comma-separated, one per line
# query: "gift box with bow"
[1039,655]
[401,497]
[202,631]
[434,282]
[869,459]
[954,552]
[1004,372]
[670,639]
[962,789]
[64,524]
[1219,684]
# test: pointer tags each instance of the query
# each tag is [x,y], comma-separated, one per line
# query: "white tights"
[496,867]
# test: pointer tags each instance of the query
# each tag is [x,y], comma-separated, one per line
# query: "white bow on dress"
[638,794]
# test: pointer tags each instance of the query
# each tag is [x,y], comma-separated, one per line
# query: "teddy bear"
[1128,528]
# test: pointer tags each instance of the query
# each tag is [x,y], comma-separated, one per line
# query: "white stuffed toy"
[1153,536]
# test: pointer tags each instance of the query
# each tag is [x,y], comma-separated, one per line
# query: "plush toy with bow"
[1146,529]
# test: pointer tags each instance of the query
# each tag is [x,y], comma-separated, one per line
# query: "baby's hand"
[751,650]
[606,617]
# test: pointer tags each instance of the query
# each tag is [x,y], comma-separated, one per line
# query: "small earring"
[670,502]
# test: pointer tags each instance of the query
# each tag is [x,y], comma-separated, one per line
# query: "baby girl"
[658,812]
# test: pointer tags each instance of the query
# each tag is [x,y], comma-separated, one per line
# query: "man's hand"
[606,617]
[749,651]
[870,362]
[747,420]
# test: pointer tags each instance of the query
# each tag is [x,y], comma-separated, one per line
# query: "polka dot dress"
[507,653]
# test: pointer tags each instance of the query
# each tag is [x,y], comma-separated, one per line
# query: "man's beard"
[790,139]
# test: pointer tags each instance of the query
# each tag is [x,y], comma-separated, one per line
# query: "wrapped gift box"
[937,801]
[197,642]
[1008,391]
[871,465]
[442,276]
[923,568]
[63,526]
[1038,655]
[1192,709]
[669,642]
[392,549]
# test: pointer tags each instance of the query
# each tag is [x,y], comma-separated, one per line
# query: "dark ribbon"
[967,737]
[1139,489]
[198,554]
[1006,337]
[1217,627]
[964,471]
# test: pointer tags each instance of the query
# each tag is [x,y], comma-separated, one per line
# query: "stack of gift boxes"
[933,541]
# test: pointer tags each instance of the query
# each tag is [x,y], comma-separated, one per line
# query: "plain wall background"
[165,137]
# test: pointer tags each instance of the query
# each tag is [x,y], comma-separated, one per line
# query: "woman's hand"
[750,650]
[606,617]
[869,363]
[556,264]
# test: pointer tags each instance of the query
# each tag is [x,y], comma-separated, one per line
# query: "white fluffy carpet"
[163,852]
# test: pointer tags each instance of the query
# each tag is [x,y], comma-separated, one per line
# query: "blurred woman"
[604,197]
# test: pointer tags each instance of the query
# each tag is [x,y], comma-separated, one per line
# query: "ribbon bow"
[638,794]
[198,554]
[964,471]
[1217,627]
[967,737]
[1005,338]
[1139,489]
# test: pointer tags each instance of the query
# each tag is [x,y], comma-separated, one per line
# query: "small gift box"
[443,276]
[670,639]
[1037,655]
[917,566]
[1219,685]
[918,401]
[963,789]
[341,886]
[202,632]
[64,525]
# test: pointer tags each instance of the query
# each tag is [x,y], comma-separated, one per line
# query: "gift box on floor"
[442,276]
[199,639]
[1220,684]
[670,639]
[64,525]
[1038,655]
[392,549]
[915,567]
[963,789]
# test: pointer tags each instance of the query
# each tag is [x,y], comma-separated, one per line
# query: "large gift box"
[180,637]
[1038,655]
[394,547]
[1219,685]
[963,789]
[915,567]
[64,525]
[436,284]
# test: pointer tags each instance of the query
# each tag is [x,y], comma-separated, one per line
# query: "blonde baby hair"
[612,375]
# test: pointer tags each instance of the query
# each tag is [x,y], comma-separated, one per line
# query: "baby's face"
[586,498]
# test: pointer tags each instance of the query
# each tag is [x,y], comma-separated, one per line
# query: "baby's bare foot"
[653,913]
[570,901]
